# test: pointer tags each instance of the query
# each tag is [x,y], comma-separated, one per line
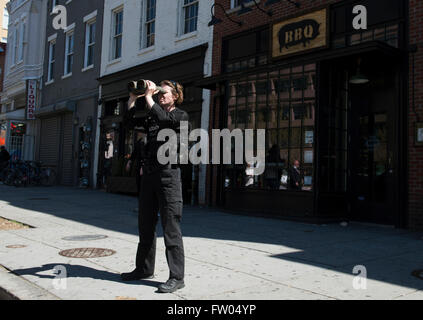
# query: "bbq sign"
[300,34]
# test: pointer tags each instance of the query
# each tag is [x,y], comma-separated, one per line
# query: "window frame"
[21,43]
[89,45]
[51,59]
[183,16]
[68,70]
[115,37]
[145,36]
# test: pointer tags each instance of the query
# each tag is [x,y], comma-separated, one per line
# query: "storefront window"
[388,34]
[17,133]
[3,132]
[283,103]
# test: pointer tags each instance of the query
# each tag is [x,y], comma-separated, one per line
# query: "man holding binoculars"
[161,187]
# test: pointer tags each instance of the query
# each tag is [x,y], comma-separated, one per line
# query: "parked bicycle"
[28,173]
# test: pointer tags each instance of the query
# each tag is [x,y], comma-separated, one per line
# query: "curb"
[14,287]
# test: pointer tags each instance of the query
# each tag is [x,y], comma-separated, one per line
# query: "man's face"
[166,99]
[297,164]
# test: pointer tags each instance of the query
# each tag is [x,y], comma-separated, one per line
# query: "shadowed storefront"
[330,97]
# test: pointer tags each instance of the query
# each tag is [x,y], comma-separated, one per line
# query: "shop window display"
[283,103]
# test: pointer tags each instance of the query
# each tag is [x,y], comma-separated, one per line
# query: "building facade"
[23,68]
[67,117]
[4,20]
[344,102]
[153,40]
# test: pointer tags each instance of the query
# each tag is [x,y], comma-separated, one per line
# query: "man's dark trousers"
[161,190]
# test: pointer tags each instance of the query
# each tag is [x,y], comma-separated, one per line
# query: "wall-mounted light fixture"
[245,9]
[215,20]
[270,2]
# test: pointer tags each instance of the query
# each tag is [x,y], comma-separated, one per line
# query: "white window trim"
[87,45]
[181,18]
[52,37]
[69,33]
[186,36]
[143,28]
[67,75]
[50,60]
[89,17]
[87,68]
[70,28]
[116,10]
[146,50]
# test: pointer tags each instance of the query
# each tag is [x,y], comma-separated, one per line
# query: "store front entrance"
[359,139]
[372,148]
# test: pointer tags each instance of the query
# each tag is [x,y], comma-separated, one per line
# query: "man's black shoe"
[171,285]
[135,275]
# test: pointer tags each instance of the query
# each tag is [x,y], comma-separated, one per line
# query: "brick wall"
[415,162]
[284,9]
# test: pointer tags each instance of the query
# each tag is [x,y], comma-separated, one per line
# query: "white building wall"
[32,13]
[168,40]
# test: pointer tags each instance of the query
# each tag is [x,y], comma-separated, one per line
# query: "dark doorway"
[358,139]
[372,147]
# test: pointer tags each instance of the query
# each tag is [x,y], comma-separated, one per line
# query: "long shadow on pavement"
[392,254]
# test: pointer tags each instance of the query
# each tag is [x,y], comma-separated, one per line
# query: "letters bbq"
[299,32]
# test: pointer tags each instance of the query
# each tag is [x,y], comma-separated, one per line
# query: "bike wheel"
[9,177]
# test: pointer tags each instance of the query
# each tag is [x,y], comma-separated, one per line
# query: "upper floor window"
[22,30]
[51,60]
[190,14]
[236,3]
[149,23]
[15,45]
[89,43]
[117,34]
[69,52]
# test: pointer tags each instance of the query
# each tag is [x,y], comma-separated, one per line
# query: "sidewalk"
[227,256]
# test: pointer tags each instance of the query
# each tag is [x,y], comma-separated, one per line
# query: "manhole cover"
[16,246]
[418,274]
[85,237]
[87,253]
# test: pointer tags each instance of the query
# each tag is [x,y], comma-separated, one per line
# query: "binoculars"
[140,87]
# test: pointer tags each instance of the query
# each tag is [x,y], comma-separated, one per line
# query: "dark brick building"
[345,103]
